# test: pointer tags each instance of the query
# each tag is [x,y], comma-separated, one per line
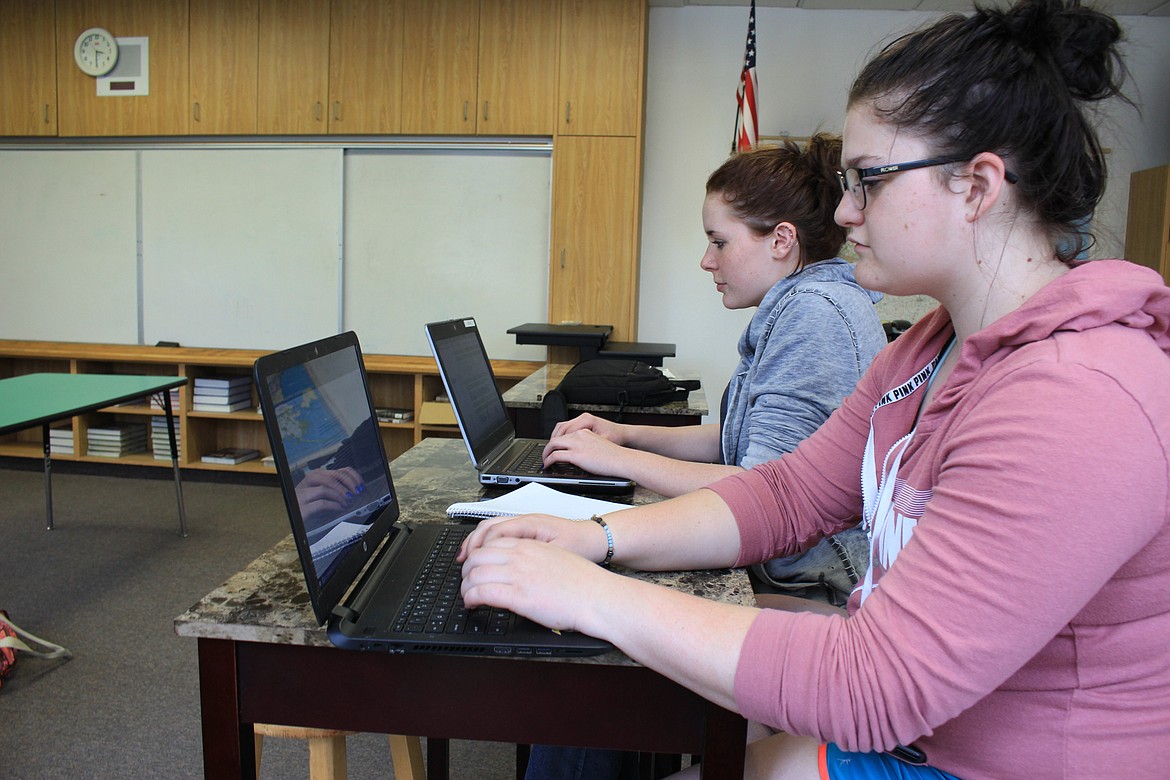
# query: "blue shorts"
[837,764]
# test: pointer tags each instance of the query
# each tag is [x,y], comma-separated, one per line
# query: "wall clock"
[96,51]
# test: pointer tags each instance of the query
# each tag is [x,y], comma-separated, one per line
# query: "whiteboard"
[240,248]
[436,235]
[68,262]
[264,247]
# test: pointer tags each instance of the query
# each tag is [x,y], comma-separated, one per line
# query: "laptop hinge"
[375,570]
[493,458]
[344,614]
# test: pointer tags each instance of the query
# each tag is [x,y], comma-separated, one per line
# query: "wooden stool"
[327,751]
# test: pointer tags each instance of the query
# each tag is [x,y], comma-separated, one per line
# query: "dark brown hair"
[1013,82]
[775,184]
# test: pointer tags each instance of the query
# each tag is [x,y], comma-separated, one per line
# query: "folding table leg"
[48,479]
[175,463]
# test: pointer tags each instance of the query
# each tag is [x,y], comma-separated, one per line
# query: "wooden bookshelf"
[1147,233]
[395,381]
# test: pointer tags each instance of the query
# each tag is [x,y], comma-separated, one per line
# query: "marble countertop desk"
[268,602]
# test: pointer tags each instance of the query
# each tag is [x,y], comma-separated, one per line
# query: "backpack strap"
[16,641]
[553,409]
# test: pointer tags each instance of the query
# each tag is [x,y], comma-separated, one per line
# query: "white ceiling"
[1115,7]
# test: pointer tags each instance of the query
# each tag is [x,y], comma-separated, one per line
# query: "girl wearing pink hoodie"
[1009,457]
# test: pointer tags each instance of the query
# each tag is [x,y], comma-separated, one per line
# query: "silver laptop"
[501,458]
[344,515]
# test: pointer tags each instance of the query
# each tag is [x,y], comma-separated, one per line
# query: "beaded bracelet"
[608,539]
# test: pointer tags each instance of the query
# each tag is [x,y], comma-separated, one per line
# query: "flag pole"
[746,115]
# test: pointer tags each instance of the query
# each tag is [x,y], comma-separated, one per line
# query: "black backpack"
[610,382]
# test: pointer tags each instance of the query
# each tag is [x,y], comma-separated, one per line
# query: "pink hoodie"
[1024,629]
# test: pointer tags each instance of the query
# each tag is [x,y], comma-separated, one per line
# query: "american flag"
[746,115]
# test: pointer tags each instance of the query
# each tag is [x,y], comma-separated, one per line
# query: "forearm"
[545,569]
[670,477]
[695,531]
[699,443]
[693,641]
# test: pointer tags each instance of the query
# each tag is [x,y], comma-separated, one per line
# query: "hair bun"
[822,155]
[1080,42]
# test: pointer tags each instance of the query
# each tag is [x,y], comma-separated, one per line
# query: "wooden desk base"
[452,697]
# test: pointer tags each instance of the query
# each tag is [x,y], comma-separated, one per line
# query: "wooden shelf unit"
[395,381]
[1147,232]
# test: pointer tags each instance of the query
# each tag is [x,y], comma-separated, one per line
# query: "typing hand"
[510,565]
[545,528]
[587,422]
[588,450]
[584,538]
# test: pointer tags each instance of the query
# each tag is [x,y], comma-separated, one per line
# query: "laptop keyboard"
[531,462]
[435,605]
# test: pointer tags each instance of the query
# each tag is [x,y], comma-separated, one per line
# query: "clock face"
[96,51]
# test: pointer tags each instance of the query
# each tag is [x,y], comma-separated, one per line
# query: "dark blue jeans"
[553,762]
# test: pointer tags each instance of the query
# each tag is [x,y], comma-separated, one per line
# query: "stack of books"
[394,415]
[230,456]
[160,443]
[61,441]
[114,441]
[156,400]
[222,394]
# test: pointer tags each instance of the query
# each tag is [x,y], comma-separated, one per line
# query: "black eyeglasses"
[853,179]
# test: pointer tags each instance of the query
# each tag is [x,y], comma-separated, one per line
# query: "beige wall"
[806,61]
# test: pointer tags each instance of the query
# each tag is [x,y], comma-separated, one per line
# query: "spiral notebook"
[535,498]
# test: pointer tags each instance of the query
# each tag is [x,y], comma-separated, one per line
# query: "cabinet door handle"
[195,112]
[336,110]
[562,258]
[46,113]
[465,107]
[317,111]
[485,110]
[568,112]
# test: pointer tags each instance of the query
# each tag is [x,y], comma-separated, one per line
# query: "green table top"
[36,399]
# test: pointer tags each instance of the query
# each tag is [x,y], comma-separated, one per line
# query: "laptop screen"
[329,454]
[467,375]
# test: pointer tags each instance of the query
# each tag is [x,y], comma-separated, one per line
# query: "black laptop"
[344,514]
[501,458]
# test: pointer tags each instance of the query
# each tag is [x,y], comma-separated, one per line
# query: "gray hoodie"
[811,339]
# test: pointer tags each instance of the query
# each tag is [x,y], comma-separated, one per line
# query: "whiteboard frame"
[125,316]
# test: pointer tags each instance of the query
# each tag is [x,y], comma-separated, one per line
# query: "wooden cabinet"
[28,60]
[395,381]
[365,66]
[594,270]
[293,88]
[275,67]
[570,69]
[1147,230]
[597,170]
[329,67]
[440,67]
[517,52]
[224,66]
[81,111]
[479,66]
[602,71]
